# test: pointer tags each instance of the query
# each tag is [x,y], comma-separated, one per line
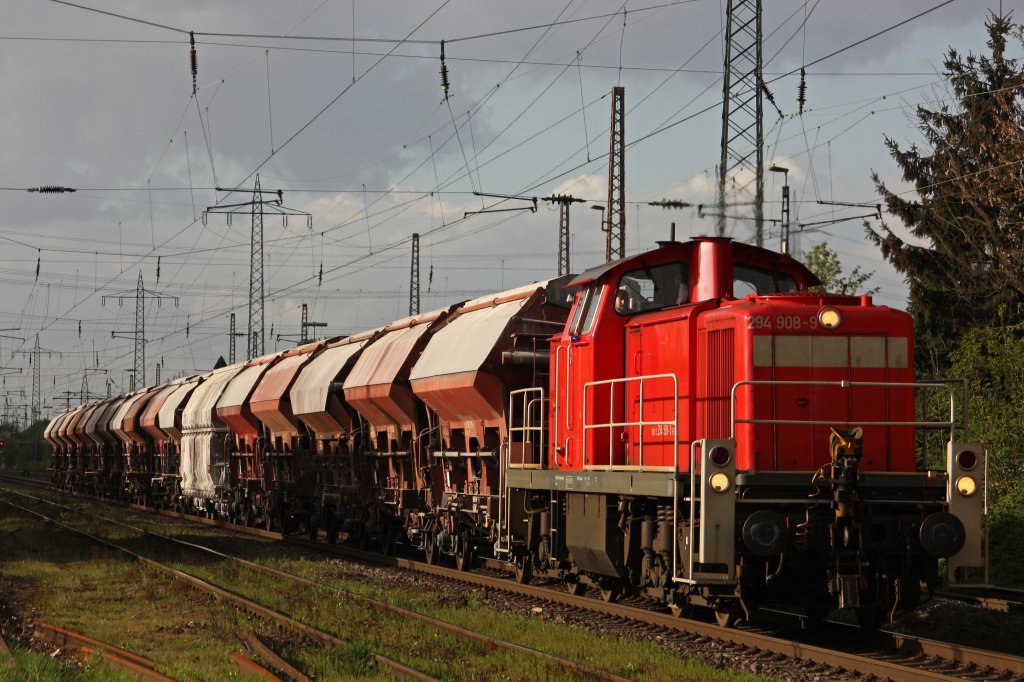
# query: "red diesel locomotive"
[691,423]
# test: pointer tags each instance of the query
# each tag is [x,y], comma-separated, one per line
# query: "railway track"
[251,606]
[1002,599]
[485,642]
[884,655]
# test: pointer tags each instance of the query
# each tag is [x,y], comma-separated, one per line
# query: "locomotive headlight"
[720,482]
[829,318]
[966,486]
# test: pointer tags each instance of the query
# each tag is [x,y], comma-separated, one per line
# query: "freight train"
[691,424]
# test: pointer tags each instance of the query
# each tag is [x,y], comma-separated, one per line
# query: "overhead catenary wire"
[477,155]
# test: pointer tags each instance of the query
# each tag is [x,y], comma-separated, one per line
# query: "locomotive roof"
[741,252]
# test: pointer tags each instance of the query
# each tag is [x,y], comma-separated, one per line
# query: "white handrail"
[951,424]
[611,425]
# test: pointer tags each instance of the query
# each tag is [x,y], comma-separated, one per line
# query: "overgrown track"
[243,603]
[487,642]
[882,655]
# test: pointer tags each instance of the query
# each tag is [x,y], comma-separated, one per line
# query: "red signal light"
[966,459]
[719,456]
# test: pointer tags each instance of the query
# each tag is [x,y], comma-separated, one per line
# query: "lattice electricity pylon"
[36,376]
[742,114]
[615,225]
[414,276]
[138,379]
[304,328]
[10,414]
[86,394]
[255,333]
[564,201]
[232,335]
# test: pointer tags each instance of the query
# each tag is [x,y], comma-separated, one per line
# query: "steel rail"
[257,648]
[118,658]
[237,600]
[250,668]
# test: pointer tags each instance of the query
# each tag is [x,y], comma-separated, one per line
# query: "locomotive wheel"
[523,565]
[430,549]
[463,553]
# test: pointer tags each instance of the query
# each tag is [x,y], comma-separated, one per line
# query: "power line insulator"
[51,189]
[445,83]
[801,91]
[193,59]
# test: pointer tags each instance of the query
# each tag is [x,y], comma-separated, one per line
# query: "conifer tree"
[965,268]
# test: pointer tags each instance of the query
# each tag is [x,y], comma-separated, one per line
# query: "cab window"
[748,280]
[652,288]
[586,310]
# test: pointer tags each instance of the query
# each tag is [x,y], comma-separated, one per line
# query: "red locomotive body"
[718,435]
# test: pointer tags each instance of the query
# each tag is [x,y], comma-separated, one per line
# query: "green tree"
[965,268]
[824,262]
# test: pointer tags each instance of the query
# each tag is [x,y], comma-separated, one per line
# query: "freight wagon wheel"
[430,548]
[463,553]
[389,541]
[611,594]
[523,565]
[576,589]
[726,618]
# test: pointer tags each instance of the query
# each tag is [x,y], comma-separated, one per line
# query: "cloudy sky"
[98,96]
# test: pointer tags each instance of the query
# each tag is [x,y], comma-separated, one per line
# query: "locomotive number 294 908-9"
[784,322]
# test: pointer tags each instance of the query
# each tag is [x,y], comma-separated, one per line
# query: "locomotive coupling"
[844,531]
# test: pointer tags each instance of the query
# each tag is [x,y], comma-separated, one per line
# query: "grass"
[74,584]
